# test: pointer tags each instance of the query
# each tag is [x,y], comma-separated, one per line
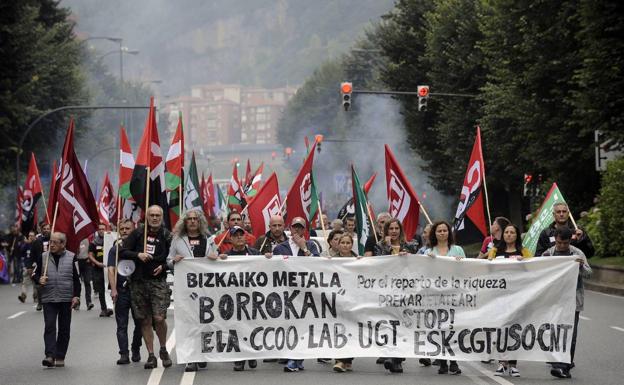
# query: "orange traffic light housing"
[346,89]
[423,97]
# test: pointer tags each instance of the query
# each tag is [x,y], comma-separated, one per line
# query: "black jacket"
[158,245]
[547,240]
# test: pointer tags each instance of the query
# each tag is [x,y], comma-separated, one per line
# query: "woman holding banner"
[393,243]
[510,246]
[442,244]
[345,249]
[333,240]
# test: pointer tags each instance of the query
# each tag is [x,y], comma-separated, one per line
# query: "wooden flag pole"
[322,223]
[370,218]
[114,284]
[422,208]
[572,219]
[45,206]
[487,202]
[45,269]
[147,195]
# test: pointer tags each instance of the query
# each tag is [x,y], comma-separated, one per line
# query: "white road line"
[489,374]
[585,318]
[187,378]
[617,328]
[156,375]
[477,379]
[16,315]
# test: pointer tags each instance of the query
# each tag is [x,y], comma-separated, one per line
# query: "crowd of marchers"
[142,256]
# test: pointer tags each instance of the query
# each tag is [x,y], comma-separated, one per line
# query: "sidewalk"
[606,279]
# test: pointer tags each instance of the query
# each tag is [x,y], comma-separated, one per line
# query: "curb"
[614,290]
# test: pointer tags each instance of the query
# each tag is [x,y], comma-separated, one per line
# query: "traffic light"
[423,97]
[346,88]
[528,178]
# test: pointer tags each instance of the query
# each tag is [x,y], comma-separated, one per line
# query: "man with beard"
[273,237]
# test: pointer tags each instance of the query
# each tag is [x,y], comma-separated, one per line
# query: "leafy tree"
[599,101]
[40,69]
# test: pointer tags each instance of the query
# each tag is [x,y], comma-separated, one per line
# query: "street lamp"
[121,51]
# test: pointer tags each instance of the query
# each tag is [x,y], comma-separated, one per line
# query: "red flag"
[106,203]
[30,196]
[369,183]
[403,201]
[128,207]
[301,200]
[235,192]
[54,175]
[253,185]
[150,156]
[469,224]
[77,215]
[266,204]
[209,196]
[202,194]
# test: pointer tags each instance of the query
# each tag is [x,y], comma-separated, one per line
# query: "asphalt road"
[93,352]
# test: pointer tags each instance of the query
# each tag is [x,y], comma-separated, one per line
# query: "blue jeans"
[122,311]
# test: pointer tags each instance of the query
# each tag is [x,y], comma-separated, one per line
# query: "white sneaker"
[501,371]
[514,372]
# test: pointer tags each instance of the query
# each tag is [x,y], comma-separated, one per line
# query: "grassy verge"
[611,261]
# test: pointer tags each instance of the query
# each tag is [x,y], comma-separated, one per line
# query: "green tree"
[40,69]
[599,101]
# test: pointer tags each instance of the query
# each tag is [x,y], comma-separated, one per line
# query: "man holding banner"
[563,237]
[561,215]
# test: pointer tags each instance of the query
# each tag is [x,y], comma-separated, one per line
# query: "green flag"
[192,196]
[543,218]
[361,218]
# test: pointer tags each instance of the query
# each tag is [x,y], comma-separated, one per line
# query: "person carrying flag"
[223,240]
[561,216]
[150,294]
[60,291]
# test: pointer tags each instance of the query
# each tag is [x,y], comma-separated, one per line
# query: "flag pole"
[147,194]
[45,269]
[323,224]
[422,208]
[114,284]
[45,206]
[370,218]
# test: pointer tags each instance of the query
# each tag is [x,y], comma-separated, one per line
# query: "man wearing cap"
[223,240]
[297,245]
[120,293]
[240,247]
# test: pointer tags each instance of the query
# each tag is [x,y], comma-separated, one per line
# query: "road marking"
[490,374]
[617,328]
[16,315]
[187,378]
[476,379]
[157,373]
[585,318]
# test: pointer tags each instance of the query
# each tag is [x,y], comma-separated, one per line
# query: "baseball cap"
[235,229]
[298,221]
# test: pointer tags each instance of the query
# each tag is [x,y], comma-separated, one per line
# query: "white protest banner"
[250,307]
